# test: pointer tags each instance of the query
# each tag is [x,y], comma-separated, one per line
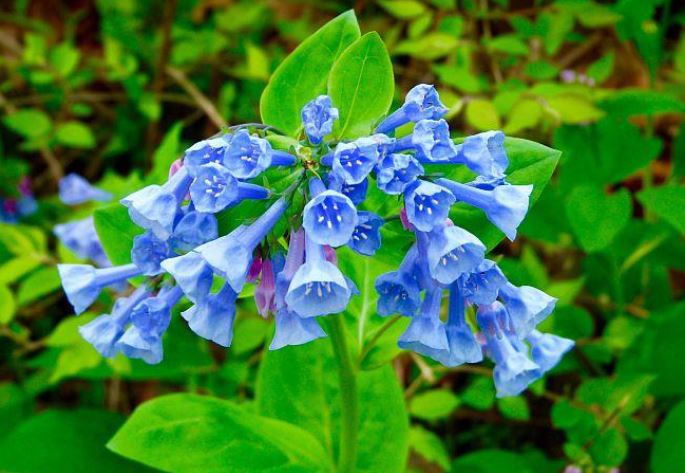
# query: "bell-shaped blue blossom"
[318,287]
[204,152]
[505,205]
[215,188]
[421,103]
[155,207]
[265,293]
[352,162]
[318,117]
[427,205]
[293,260]
[330,217]
[527,307]
[397,171]
[191,273]
[248,156]
[104,331]
[366,237]
[82,283]
[356,192]
[81,238]
[432,141]
[547,350]
[514,371]
[399,291]
[291,329]
[194,229]
[484,154]
[148,252]
[212,318]
[231,256]
[75,190]
[426,332]
[449,252]
[483,284]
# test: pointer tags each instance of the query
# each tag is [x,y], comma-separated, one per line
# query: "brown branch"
[200,99]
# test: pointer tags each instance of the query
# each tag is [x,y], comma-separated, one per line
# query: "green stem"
[347,454]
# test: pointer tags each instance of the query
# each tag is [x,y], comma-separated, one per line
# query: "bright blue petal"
[527,307]
[450,251]
[427,205]
[330,218]
[484,154]
[192,274]
[74,190]
[483,284]
[291,329]
[247,156]
[213,317]
[204,152]
[318,117]
[547,349]
[366,237]
[395,172]
[194,229]
[426,333]
[148,252]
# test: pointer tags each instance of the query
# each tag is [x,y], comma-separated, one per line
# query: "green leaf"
[594,15]
[18,267]
[186,433]
[508,44]
[116,232]
[75,135]
[304,73]
[480,394]
[29,122]
[601,69]
[482,115]
[7,304]
[429,446]
[596,218]
[514,408]
[524,114]
[403,9]
[574,109]
[361,86]
[433,405]
[668,453]
[38,284]
[609,448]
[64,58]
[491,461]
[668,202]
[428,47]
[167,152]
[299,384]
[631,102]
[64,442]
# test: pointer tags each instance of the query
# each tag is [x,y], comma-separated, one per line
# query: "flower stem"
[347,454]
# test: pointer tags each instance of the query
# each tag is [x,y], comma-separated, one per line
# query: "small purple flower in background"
[265,293]
[318,117]
[75,190]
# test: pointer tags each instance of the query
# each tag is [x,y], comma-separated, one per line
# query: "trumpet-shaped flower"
[426,333]
[526,306]
[318,117]
[248,156]
[547,349]
[356,192]
[399,291]
[449,252]
[291,329]
[432,142]
[81,238]
[191,273]
[205,152]
[484,154]
[75,190]
[352,162]
[427,205]
[215,188]
[194,229]
[483,284]
[212,318]
[330,217]
[366,237]
[395,172]
[421,103]
[148,252]
[82,283]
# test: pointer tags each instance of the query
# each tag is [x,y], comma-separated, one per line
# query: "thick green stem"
[347,454]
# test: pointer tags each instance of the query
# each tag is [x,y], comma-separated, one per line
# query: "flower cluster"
[183,256]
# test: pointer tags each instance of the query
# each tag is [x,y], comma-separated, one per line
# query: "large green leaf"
[668,202]
[116,232]
[300,385]
[183,433]
[303,75]
[668,454]
[361,86]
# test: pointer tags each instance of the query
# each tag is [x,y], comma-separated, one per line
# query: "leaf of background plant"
[668,453]
[524,114]
[65,442]
[609,447]
[596,218]
[116,232]
[508,44]
[482,115]
[361,85]
[559,25]
[40,283]
[668,202]
[75,135]
[304,73]
[64,58]
[491,461]
[29,122]
[7,304]
[574,109]
[434,404]
[630,102]
[168,151]
[300,385]
[429,446]
[403,9]
[514,408]
[187,433]
[428,47]
[601,69]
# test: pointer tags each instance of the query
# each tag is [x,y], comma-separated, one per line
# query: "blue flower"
[426,332]
[81,238]
[427,205]
[148,252]
[265,293]
[212,318]
[318,116]
[215,188]
[514,371]
[526,306]
[432,142]
[483,284]
[356,192]
[74,190]
[82,283]
[547,349]
[421,103]
[449,252]
[329,218]
[204,152]
[155,207]
[397,171]
[399,291]
[231,255]
[366,238]
[248,156]
[484,154]
[194,229]
[505,205]
[291,329]
[105,331]
[353,161]
[318,287]
[192,274]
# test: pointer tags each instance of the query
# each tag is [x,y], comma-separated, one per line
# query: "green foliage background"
[115,90]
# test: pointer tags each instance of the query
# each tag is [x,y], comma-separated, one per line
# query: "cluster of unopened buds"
[183,256]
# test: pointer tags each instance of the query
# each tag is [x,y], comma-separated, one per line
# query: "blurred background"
[108,88]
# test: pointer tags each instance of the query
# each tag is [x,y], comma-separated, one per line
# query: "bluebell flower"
[265,293]
[547,350]
[526,306]
[105,331]
[204,152]
[318,117]
[291,329]
[366,237]
[482,285]
[432,141]
[212,318]
[505,205]
[427,205]
[231,256]
[484,154]
[514,371]
[329,218]
[426,332]
[215,188]
[449,252]
[148,252]
[194,229]
[318,287]
[421,103]
[80,237]
[74,190]
[397,171]
[356,192]
[155,207]
[82,283]
[353,161]
[399,291]
[248,156]
[293,260]
[191,273]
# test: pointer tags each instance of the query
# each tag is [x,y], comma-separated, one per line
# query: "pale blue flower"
[148,252]
[432,142]
[449,252]
[366,237]
[395,172]
[215,188]
[75,189]
[426,332]
[318,117]
[191,273]
[483,284]
[291,329]
[212,318]
[352,162]
[194,229]
[399,291]
[82,283]
[248,156]
[427,205]
[204,152]
[421,103]
[330,217]
[81,238]
[484,154]
[356,192]
[526,306]
[548,349]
